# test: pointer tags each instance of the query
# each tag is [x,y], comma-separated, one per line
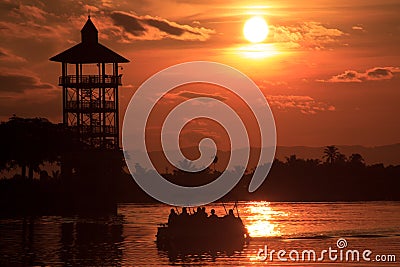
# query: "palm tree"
[331,154]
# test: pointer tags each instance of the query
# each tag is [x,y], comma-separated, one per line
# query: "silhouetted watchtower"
[90,81]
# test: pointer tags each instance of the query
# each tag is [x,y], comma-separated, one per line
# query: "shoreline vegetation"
[89,179]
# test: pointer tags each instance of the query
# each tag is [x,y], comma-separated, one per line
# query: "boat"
[196,233]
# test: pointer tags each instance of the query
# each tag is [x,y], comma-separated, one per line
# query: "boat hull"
[220,236]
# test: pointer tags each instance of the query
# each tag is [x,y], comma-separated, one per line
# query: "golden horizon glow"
[258,51]
[255,29]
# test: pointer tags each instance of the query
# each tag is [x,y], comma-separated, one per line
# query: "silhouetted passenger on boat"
[230,214]
[183,219]
[184,213]
[213,216]
[195,217]
[172,217]
[198,212]
[229,219]
[203,211]
[199,217]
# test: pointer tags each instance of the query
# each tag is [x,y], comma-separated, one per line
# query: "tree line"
[27,144]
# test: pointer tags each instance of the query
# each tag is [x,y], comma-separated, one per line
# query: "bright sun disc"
[255,29]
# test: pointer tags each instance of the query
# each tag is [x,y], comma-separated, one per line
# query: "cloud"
[190,95]
[129,23]
[9,57]
[19,82]
[305,104]
[107,3]
[278,85]
[176,97]
[90,8]
[381,73]
[30,12]
[311,35]
[34,30]
[275,83]
[165,27]
[374,74]
[147,27]
[32,103]
[357,28]
[347,76]
[24,21]
[44,22]
[23,93]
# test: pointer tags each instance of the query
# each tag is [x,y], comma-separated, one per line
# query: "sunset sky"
[330,70]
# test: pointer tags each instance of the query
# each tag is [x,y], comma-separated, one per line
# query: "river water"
[370,228]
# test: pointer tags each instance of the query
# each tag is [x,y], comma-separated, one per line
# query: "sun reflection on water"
[260,221]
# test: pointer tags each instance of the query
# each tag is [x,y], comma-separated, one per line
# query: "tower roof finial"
[89,50]
[89,32]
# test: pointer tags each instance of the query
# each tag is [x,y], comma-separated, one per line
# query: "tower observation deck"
[90,82]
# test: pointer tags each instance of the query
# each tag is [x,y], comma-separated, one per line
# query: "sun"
[255,29]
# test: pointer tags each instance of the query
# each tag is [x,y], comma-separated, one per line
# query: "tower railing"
[97,129]
[94,104]
[73,80]
[94,129]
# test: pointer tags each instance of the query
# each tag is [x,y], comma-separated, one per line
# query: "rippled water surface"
[129,238]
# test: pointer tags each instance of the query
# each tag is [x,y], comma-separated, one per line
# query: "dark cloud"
[130,23]
[155,28]
[379,74]
[347,76]
[374,74]
[165,27]
[19,83]
[189,95]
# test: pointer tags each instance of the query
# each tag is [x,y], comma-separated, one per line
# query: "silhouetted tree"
[29,142]
[56,174]
[24,143]
[238,169]
[292,159]
[341,159]
[187,165]
[356,159]
[331,154]
[313,162]
[139,170]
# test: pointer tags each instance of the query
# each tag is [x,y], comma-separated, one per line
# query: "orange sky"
[329,69]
